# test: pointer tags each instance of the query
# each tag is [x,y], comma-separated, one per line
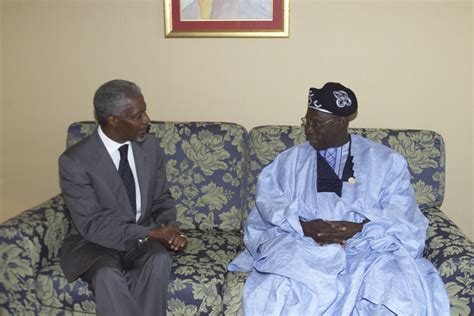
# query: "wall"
[409,62]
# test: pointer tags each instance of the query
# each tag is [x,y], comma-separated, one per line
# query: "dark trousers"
[131,283]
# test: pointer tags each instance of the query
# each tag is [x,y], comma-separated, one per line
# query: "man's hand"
[170,236]
[330,232]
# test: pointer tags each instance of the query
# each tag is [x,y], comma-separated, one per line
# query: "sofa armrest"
[28,242]
[452,253]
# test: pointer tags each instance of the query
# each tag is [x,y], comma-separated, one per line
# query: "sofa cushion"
[198,273]
[196,281]
[205,164]
[424,151]
[232,293]
[54,292]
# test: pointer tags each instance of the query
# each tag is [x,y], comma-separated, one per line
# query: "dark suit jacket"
[102,217]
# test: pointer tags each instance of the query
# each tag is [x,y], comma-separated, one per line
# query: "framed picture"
[226,18]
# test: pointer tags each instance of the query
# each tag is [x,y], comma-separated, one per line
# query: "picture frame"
[226,18]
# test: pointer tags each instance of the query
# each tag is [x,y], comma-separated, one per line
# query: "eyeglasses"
[314,124]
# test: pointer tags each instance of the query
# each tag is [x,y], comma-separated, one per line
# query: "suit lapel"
[105,169]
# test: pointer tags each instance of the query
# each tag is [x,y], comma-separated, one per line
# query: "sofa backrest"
[424,151]
[206,168]
[210,165]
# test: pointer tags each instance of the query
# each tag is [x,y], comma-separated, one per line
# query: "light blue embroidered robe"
[379,271]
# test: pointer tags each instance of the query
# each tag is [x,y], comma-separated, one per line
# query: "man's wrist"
[142,241]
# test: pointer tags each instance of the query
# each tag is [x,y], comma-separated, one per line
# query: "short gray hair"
[113,98]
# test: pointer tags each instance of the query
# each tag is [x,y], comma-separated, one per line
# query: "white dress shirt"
[113,150]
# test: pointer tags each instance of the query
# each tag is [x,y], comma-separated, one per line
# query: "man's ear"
[112,121]
[342,121]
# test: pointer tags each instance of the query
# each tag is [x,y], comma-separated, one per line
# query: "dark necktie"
[127,176]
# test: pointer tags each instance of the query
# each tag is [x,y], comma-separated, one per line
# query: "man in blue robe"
[336,229]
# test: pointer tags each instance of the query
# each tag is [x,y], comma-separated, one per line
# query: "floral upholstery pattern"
[212,169]
[28,242]
[452,253]
[206,168]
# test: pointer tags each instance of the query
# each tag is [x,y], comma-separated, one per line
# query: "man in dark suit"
[124,218]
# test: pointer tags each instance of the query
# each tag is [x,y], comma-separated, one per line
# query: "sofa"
[212,169]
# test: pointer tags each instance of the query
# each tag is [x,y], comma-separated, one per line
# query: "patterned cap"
[333,98]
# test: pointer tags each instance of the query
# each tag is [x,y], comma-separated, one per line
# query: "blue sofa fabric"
[212,169]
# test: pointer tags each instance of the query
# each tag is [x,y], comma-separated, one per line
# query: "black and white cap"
[333,98]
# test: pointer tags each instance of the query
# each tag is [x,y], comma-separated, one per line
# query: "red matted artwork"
[226,18]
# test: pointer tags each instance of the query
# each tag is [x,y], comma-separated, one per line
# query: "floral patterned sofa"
[212,168]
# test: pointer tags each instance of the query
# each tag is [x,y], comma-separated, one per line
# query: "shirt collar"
[109,143]
[343,147]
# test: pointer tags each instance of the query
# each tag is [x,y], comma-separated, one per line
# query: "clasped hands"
[330,232]
[169,236]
